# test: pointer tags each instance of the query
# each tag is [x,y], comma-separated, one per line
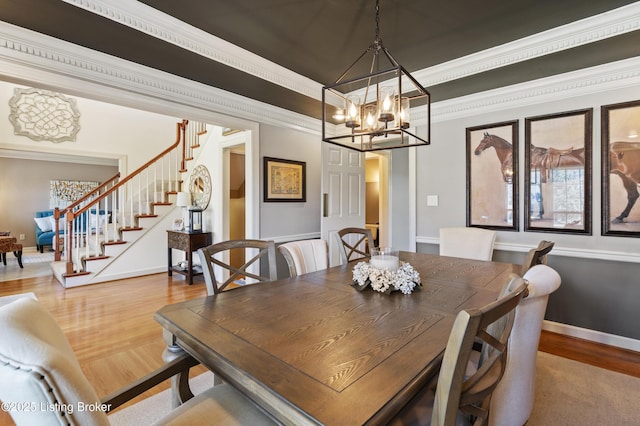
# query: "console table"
[187,242]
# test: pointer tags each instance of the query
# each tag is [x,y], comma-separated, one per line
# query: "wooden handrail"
[70,215]
[180,127]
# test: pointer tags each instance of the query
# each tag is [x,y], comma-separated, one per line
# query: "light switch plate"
[432,200]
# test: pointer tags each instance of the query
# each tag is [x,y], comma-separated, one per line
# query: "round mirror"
[200,186]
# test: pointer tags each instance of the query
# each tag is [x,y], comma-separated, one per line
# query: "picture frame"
[178,225]
[557,162]
[620,144]
[284,180]
[492,176]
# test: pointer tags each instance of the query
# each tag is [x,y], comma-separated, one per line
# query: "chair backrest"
[491,325]
[469,243]
[216,255]
[512,401]
[305,256]
[38,367]
[537,256]
[357,243]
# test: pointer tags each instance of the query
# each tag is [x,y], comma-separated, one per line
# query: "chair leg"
[4,258]
[18,254]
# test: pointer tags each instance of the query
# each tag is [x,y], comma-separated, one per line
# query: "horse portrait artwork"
[504,151]
[624,161]
[558,172]
[492,186]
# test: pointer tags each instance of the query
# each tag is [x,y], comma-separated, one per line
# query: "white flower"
[405,279]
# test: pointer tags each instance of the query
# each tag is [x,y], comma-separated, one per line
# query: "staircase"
[103,228]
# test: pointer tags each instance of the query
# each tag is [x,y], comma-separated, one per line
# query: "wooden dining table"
[314,350]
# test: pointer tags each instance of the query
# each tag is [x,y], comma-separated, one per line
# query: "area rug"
[568,393]
[31,255]
[152,409]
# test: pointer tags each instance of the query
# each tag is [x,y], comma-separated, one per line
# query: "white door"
[343,190]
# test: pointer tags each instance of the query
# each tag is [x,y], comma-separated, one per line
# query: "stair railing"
[104,215]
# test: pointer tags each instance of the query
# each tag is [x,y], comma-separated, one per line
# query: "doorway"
[237,203]
[377,216]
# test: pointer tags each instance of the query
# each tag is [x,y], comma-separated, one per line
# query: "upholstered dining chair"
[469,243]
[305,256]
[537,256]
[40,374]
[459,395]
[218,255]
[357,243]
[513,399]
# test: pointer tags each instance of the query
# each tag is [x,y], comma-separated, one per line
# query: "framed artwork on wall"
[620,169]
[492,176]
[557,161]
[65,192]
[284,180]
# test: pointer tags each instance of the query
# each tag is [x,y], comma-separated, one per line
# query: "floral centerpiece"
[405,279]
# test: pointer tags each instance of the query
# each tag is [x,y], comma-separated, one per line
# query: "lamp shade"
[184,199]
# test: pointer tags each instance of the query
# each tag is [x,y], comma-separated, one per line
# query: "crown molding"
[589,30]
[49,154]
[157,24]
[162,26]
[31,58]
[615,75]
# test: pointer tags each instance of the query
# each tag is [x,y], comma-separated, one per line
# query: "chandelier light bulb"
[352,108]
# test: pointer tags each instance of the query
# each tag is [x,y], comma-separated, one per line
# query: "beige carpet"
[567,393]
[572,393]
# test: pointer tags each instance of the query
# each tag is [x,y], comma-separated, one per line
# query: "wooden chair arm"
[181,364]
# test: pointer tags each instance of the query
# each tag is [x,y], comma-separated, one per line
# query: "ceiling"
[319,39]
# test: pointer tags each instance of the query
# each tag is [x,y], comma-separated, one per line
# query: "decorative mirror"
[200,186]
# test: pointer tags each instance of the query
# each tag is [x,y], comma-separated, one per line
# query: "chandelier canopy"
[373,103]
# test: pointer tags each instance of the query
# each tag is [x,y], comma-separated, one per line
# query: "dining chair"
[305,256]
[218,255]
[462,397]
[41,377]
[357,243]
[469,243]
[513,399]
[537,256]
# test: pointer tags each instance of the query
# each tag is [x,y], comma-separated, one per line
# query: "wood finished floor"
[112,331]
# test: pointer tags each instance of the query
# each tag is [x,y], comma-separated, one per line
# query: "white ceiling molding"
[20,152]
[152,22]
[162,26]
[615,75]
[589,30]
[33,59]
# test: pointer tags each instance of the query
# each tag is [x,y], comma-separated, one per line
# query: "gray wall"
[595,293]
[25,190]
[290,219]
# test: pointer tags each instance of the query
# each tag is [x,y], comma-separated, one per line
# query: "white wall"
[106,131]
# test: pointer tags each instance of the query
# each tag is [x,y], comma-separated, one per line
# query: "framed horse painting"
[557,161]
[621,169]
[492,176]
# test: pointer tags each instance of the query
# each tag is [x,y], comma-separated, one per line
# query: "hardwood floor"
[603,356]
[110,326]
[112,331]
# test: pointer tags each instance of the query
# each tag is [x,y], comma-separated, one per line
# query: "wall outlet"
[21,237]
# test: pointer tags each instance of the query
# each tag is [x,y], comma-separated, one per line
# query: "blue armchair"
[45,233]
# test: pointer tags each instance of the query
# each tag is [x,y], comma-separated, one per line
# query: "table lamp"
[184,201]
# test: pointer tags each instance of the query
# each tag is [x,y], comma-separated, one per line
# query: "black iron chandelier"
[372,104]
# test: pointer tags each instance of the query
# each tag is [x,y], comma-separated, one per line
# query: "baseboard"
[592,335]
